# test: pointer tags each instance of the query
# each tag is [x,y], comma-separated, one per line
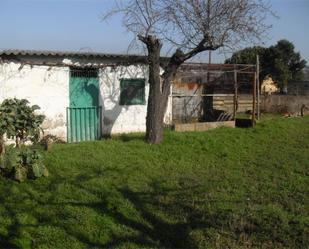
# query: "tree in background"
[248,56]
[187,27]
[284,63]
[280,61]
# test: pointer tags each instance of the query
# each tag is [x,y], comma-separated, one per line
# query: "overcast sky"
[75,25]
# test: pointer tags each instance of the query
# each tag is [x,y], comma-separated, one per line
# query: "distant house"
[83,95]
[269,87]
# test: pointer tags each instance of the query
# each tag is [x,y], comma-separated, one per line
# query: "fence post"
[254,99]
[235,93]
[258,85]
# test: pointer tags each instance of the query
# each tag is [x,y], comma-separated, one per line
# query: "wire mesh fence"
[210,96]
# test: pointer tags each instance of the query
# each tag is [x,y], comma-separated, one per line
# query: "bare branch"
[190,27]
[185,23]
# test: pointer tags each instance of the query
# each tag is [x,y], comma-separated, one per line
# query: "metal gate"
[84,115]
[84,123]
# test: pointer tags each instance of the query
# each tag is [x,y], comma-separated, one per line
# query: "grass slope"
[226,188]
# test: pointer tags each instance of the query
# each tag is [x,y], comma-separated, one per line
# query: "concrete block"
[204,126]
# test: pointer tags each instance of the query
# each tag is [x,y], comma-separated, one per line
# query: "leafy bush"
[8,161]
[22,163]
[18,120]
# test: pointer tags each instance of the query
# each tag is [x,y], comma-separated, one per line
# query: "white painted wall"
[48,87]
[129,118]
[117,118]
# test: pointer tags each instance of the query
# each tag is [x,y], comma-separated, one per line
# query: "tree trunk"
[157,103]
[159,85]
[155,108]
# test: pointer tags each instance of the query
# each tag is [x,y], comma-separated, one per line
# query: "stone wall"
[291,104]
[188,109]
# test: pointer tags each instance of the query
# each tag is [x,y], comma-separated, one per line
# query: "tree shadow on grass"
[5,239]
[12,229]
[168,235]
[131,137]
[154,224]
[152,232]
[150,229]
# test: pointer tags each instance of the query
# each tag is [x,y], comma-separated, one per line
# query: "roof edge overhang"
[23,55]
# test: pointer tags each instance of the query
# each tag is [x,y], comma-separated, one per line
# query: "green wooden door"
[84,112]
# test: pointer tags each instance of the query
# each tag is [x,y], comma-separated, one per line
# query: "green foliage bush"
[22,163]
[18,120]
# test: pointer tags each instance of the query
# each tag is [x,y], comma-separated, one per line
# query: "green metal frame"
[84,123]
[84,115]
[138,97]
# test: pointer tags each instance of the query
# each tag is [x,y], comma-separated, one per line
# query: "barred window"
[132,92]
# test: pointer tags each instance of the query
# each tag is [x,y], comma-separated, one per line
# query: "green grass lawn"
[226,188]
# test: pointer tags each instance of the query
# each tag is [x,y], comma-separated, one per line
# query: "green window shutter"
[132,92]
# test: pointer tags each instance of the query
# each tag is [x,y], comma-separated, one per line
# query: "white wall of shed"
[47,87]
[124,118]
[121,118]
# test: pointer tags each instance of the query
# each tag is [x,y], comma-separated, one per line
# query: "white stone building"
[84,96]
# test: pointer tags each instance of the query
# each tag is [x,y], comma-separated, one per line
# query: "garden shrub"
[22,163]
[18,120]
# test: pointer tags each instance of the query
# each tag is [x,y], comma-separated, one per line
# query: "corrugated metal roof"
[17,52]
[124,57]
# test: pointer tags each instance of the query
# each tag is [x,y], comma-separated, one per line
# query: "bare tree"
[191,27]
